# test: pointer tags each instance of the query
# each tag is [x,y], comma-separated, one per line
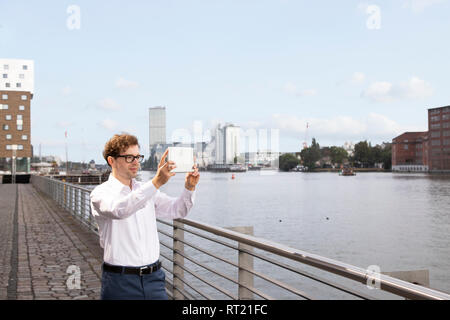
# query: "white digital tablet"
[183,158]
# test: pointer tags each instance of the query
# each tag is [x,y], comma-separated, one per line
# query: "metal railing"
[209,262]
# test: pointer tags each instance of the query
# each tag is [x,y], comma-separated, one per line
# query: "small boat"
[347,172]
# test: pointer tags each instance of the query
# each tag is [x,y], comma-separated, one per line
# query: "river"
[395,221]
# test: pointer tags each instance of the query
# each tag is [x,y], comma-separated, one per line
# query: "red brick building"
[410,152]
[16,92]
[425,151]
[439,132]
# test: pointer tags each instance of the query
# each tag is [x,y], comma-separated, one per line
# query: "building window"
[25,67]
[4,107]
[19,117]
[436,134]
[5,76]
[445,116]
[21,76]
[18,85]
[446,142]
[435,118]
[21,108]
[20,147]
[436,111]
[435,142]
[8,147]
[24,137]
[6,67]
[446,125]
[8,117]
[5,127]
[4,96]
[8,85]
[406,147]
[435,126]
[8,137]
[24,97]
[19,127]
[446,133]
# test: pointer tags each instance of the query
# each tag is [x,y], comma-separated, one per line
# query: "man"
[126,212]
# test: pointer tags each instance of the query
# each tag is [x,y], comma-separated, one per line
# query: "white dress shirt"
[127,219]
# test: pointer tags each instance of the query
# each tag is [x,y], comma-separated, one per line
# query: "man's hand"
[192,178]
[163,174]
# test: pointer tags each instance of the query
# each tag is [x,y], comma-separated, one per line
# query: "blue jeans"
[121,286]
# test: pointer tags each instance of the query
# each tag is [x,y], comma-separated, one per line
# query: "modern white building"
[226,142]
[232,142]
[157,121]
[17,75]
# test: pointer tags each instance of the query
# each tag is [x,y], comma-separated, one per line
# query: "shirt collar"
[119,186]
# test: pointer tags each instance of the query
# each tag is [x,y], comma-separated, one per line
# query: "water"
[398,222]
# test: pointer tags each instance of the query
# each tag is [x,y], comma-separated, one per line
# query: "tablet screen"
[183,157]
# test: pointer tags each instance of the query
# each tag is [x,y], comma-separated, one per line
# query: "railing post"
[245,261]
[82,205]
[178,260]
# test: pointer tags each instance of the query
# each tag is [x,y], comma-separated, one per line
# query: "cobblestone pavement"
[58,258]
[7,208]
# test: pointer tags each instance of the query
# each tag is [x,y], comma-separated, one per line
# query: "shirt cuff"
[188,194]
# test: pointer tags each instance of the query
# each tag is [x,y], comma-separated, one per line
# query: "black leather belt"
[133,270]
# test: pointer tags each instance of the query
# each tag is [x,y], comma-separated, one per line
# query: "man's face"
[124,169]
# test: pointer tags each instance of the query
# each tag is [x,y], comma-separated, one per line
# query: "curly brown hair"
[119,143]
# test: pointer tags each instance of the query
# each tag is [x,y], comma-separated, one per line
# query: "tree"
[311,155]
[288,161]
[362,153]
[338,155]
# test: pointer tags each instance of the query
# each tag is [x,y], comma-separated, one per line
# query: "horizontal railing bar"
[303,273]
[203,236]
[252,271]
[225,292]
[254,290]
[309,275]
[183,280]
[396,286]
[184,293]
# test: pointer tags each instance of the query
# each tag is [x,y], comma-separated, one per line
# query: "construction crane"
[305,142]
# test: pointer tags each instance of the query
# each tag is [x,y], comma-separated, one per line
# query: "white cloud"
[418,6]
[291,88]
[109,104]
[126,84]
[341,128]
[109,124]
[413,89]
[358,77]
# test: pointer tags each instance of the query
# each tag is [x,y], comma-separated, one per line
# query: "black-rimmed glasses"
[130,158]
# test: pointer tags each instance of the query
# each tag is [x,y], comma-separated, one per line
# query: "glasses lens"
[129,159]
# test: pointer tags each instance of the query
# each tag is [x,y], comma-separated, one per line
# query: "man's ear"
[110,161]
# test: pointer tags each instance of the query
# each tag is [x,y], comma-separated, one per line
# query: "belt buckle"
[142,269]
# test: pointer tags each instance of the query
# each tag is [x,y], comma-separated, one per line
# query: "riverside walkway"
[45,253]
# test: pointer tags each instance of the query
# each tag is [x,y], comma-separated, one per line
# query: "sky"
[351,70]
